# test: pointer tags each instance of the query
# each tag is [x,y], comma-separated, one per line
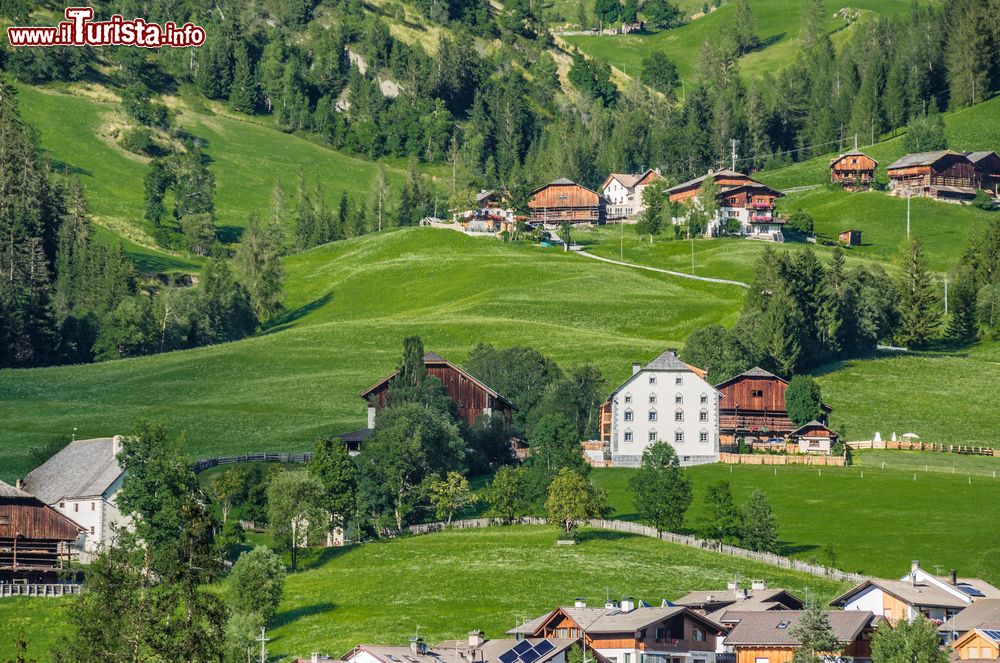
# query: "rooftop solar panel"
[530,656]
[508,656]
[970,590]
[544,647]
[992,634]
[521,647]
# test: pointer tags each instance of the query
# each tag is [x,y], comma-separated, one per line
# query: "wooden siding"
[853,170]
[739,396]
[555,203]
[949,170]
[893,609]
[722,182]
[470,399]
[975,646]
[29,518]
[772,654]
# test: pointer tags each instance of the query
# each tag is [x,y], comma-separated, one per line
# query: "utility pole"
[855,142]
[946,294]
[262,639]
[734,142]
[908,193]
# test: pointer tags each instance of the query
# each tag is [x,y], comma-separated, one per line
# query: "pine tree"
[920,313]
[815,634]
[759,526]
[963,327]
[744,27]
[243,92]
[970,53]
[259,258]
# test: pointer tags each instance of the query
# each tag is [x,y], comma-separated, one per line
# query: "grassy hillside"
[838,507]
[968,130]
[779,23]
[349,306]
[246,159]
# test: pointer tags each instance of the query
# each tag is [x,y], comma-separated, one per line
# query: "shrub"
[139,141]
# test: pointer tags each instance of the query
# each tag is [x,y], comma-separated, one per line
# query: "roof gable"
[852,153]
[83,468]
[434,358]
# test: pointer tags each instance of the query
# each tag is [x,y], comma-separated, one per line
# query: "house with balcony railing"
[740,198]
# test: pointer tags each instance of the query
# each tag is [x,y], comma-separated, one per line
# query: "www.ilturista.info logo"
[80,30]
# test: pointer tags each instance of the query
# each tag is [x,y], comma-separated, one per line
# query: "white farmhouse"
[664,400]
[623,193]
[81,482]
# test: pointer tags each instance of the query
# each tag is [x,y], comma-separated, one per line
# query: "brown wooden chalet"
[814,438]
[987,166]
[471,397]
[35,539]
[944,174]
[564,200]
[770,636]
[662,630]
[724,179]
[752,406]
[854,171]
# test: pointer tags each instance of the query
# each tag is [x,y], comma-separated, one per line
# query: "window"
[973,652]
[62,505]
[91,529]
[628,398]
[679,415]
[652,380]
[4,520]
[629,415]
[679,399]
[762,660]
[703,436]
[757,393]
[652,415]
[698,635]
[679,379]
[652,398]
[628,436]
[76,507]
[703,415]
[652,436]
[704,398]
[679,437]
[627,657]
[93,506]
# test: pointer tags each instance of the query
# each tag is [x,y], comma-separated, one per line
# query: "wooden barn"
[471,397]
[850,237]
[752,406]
[814,438]
[854,171]
[944,175]
[35,539]
[564,200]
[987,166]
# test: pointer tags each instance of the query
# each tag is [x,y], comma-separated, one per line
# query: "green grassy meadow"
[875,520]
[779,23]
[349,306]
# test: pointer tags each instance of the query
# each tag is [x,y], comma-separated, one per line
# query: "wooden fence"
[54,589]
[924,446]
[265,457]
[682,539]
[781,459]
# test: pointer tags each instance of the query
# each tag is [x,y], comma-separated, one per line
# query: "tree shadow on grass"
[790,549]
[585,536]
[288,318]
[289,616]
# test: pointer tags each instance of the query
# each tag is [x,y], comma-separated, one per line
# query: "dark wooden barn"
[987,166]
[471,397]
[752,406]
[850,237]
[943,174]
[564,200]
[854,171]
[35,539]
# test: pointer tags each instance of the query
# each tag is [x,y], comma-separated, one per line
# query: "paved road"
[663,271]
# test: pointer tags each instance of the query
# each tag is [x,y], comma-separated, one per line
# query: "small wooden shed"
[850,237]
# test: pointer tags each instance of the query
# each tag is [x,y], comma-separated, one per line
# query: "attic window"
[4,520]
[757,393]
[782,625]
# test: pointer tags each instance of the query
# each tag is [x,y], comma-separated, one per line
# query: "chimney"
[476,639]
[116,445]
[636,367]
[954,577]
[628,605]
[732,585]
[315,657]
[417,647]
[610,605]
[758,585]
[19,484]
[914,566]
[710,598]
[579,603]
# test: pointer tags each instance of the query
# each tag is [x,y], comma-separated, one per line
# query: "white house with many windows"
[664,400]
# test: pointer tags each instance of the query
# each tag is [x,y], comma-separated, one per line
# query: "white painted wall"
[696,396]
[871,601]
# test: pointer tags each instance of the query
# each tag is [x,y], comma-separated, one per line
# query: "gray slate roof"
[725,172]
[667,361]
[776,627]
[982,612]
[976,157]
[7,490]
[920,159]
[918,594]
[84,468]
[612,620]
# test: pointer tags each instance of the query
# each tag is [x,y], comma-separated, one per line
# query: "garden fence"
[781,459]
[39,589]
[264,457]
[682,539]
[923,446]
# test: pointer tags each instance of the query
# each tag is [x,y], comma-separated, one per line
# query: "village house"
[854,171]
[987,165]
[979,644]
[944,175]
[492,214]
[769,637]
[739,197]
[726,607]
[664,400]
[35,539]
[81,481]
[476,649]
[471,397]
[563,200]
[814,438]
[938,598]
[623,193]
[752,406]
[984,613]
[631,633]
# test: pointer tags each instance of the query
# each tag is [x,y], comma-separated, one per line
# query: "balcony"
[767,206]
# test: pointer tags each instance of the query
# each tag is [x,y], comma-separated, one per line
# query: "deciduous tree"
[661,490]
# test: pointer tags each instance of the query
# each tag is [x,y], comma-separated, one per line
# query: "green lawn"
[958,465]
[779,23]
[247,158]
[876,523]
[41,622]
[350,304]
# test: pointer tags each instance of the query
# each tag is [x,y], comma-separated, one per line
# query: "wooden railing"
[264,457]
[907,445]
[38,589]
[681,539]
